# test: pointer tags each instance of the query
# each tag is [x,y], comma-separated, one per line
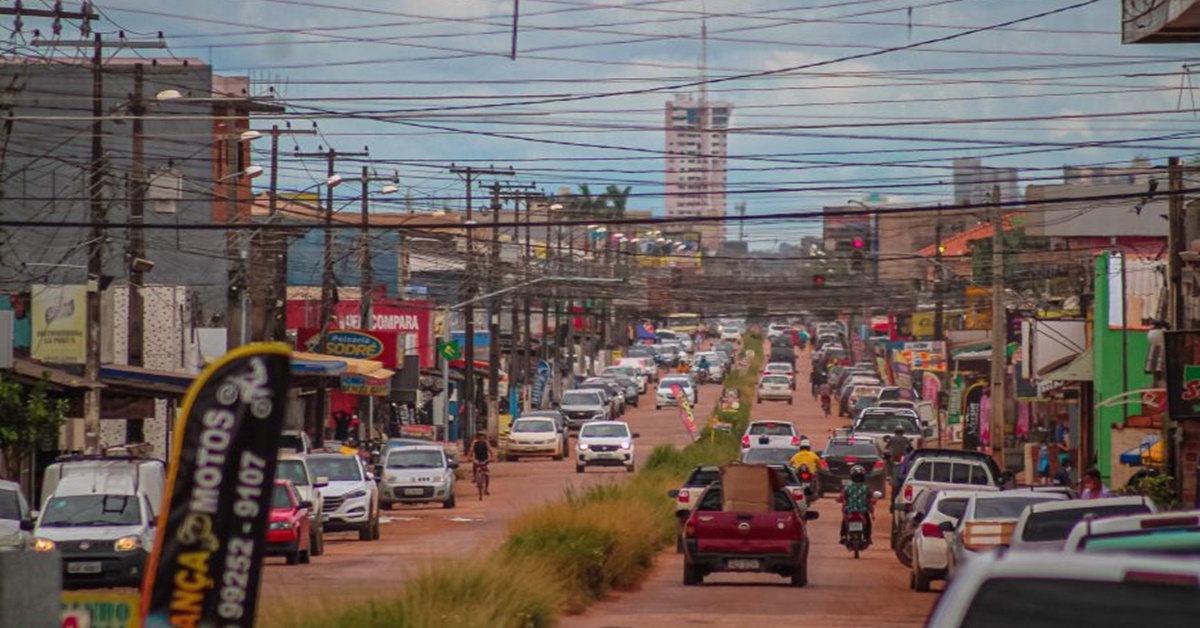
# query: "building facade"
[697,151]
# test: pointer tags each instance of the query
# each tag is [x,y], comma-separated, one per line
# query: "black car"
[614,390]
[841,455]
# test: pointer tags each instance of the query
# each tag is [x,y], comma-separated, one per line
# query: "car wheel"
[449,503]
[800,574]
[316,544]
[904,549]
[305,557]
[557,456]
[691,575]
[579,468]
[511,458]
[293,558]
[375,530]
[364,533]
[758,400]
[629,468]
[920,581]
[657,407]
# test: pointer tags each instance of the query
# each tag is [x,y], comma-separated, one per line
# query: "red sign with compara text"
[410,320]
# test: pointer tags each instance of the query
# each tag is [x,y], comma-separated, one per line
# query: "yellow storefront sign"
[101,609]
[923,324]
[59,324]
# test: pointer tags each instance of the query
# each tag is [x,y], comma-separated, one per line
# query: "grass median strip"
[558,558]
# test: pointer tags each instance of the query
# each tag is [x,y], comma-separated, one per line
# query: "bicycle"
[482,478]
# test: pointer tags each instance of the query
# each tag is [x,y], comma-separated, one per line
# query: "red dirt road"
[872,591]
[413,536]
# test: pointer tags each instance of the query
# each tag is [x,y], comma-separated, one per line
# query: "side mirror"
[305,504]
[946,526]
[453,464]
[877,495]
[810,515]
[27,525]
[637,435]
[321,482]
[673,493]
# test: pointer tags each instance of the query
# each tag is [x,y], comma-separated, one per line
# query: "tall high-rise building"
[696,162]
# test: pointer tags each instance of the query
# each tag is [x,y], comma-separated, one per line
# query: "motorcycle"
[806,482]
[826,406]
[702,375]
[856,536]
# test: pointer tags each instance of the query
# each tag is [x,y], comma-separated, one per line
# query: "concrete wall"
[46,172]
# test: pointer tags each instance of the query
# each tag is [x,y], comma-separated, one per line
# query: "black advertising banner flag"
[1183,374]
[209,549]
[972,414]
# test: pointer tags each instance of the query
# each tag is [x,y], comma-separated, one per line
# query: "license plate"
[85,567]
[743,564]
[855,526]
[414,491]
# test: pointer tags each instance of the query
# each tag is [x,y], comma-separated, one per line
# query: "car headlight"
[582,446]
[43,545]
[626,444]
[127,543]
[356,493]
[281,525]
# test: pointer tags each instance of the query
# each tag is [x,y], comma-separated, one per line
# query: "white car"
[1053,589]
[533,436]
[604,443]
[628,370]
[929,551]
[775,388]
[418,475]
[987,523]
[716,365]
[1091,535]
[16,519]
[351,498]
[731,333]
[294,467]
[775,329]
[1047,526]
[770,434]
[664,396]
[646,366]
[781,368]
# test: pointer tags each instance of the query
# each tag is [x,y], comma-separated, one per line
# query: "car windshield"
[1006,507]
[1056,525]
[414,459]
[604,431]
[292,470]
[92,510]
[675,381]
[339,469]
[772,429]
[280,498]
[524,426]
[295,442]
[952,507]
[703,477]
[887,423]
[9,506]
[860,450]
[775,380]
[580,398]
[639,352]
[779,368]
[1033,602]
[768,455]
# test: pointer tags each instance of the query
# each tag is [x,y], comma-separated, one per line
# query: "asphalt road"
[842,591]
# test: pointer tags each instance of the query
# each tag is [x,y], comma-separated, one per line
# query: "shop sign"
[101,609]
[366,385]
[59,324]
[379,346]
[1183,374]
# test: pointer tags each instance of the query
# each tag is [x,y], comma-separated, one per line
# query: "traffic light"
[857,243]
[858,262]
[818,281]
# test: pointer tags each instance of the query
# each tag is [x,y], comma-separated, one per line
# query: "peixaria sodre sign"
[211,538]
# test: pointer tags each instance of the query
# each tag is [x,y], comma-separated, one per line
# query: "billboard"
[59,324]
[380,346]
[411,321]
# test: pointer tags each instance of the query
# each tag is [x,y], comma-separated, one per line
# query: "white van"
[102,524]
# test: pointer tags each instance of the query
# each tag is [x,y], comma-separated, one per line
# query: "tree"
[615,199]
[29,420]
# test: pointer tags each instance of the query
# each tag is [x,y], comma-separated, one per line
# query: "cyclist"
[481,455]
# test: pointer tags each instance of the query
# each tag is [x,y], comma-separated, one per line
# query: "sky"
[833,99]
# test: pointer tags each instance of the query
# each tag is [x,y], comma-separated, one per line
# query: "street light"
[333,181]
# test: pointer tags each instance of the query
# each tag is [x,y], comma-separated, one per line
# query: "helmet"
[805,443]
[899,431]
[857,473]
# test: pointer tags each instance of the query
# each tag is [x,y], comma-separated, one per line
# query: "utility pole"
[136,252]
[328,289]
[1176,304]
[469,174]
[366,314]
[999,331]
[496,311]
[276,313]
[938,287]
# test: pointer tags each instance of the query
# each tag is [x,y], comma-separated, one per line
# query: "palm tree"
[615,199]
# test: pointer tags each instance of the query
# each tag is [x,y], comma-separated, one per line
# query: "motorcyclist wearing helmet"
[807,457]
[857,497]
[897,447]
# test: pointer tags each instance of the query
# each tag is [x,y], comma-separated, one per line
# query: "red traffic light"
[857,243]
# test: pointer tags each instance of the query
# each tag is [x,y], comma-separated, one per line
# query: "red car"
[288,528]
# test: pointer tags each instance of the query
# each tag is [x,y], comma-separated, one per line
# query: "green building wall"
[1107,363]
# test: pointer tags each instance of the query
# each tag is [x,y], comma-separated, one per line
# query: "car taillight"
[684,496]
[806,476]
[824,464]
[908,493]
[791,374]
[795,441]
[878,464]
[931,531]
[689,529]
[746,441]
[851,460]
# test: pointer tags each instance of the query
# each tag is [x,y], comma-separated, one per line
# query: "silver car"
[16,521]
[418,475]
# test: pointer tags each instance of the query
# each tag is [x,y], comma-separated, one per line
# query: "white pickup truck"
[940,469]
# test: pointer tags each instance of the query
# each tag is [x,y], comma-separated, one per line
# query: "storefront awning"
[1076,368]
[351,366]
